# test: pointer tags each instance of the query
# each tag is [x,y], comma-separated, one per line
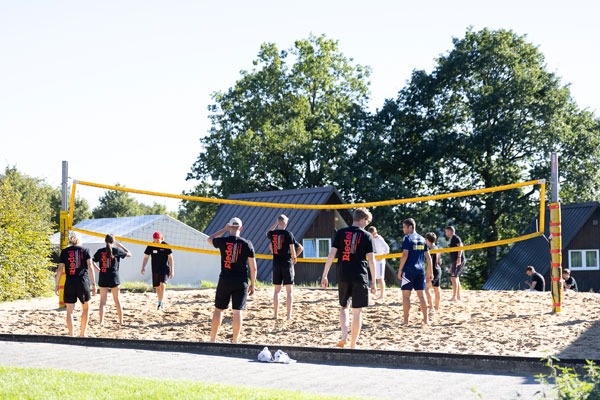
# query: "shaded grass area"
[41,383]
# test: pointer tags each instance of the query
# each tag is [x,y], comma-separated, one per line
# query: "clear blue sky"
[120,89]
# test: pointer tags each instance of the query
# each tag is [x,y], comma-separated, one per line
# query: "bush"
[569,385]
[25,266]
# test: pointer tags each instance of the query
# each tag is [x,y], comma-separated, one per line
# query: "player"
[457,262]
[380,247]
[434,283]
[163,266]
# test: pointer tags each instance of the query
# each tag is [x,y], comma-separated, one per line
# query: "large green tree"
[287,123]
[119,203]
[490,114]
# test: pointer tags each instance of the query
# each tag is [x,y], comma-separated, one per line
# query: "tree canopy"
[118,203]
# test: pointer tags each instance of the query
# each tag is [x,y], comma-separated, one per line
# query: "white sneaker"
[265,355]
[281,357]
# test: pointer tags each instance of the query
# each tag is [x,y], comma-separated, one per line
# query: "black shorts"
[159,277]
[413,279]
[77,289]
[359,291]
[237,292]
[108,280]
[283,272]
[437,277]
[456,270]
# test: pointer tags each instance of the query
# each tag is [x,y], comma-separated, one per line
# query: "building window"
[316,248]
[583,260]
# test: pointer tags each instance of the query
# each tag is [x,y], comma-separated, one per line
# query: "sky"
[120,89]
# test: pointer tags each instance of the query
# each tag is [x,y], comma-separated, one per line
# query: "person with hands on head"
[237,262]
[353,247]
[76,263]
[412,272]
[163,266]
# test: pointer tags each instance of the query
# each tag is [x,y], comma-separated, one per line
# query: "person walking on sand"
[353,247]
[457,262]
[380,247]
[237,260]
[283,247]
[76,263]
[163,266]
[108,273]
[434,283]
[412,271]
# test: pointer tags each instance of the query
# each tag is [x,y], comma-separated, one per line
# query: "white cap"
[235,222]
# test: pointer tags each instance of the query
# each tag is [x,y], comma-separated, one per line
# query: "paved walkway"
[363,381]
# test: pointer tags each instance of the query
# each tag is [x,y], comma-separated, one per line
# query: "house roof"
[257,220]
[509,273]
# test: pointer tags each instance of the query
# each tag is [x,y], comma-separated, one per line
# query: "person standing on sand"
[380,247]
[457,262]
[353,247]
[163,266]
[108,273]
[412,271]
[76,263]
[283,247]
[434,283]
[237,254]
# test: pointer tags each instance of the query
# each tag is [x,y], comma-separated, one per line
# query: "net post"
[556,239]
[64,228]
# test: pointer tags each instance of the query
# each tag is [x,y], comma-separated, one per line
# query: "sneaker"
[159,306]
[281,357]
[265,355]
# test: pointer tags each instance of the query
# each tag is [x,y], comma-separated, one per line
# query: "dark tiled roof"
[509,273]
[257,220]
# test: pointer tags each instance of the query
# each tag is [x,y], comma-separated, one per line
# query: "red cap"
[156,235]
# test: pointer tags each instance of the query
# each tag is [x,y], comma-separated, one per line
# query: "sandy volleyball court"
[484,322]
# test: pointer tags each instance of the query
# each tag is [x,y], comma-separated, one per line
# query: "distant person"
[76,263]
[568,281]
[380,247]
[415,268]
[457,262]
[163,266]
[108,259]
[237,262]
[353,247]
[283,246]
[436,262]
[537,282]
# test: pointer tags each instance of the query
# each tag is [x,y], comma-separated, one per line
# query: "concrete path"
[322,378]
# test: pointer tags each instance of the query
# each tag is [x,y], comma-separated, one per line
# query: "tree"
[194,213]
[25,246]
[118,203]
[489,114]
[285,124]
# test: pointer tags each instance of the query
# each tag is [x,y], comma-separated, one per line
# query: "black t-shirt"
[75,259]
[160,257]
[455,242]
[281,240]
[571,281]
[235,252]
[109,266]
[537,277]
[353,244]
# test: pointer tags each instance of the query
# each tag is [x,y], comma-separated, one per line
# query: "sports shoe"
[281,357]
[159,306]
[265,355]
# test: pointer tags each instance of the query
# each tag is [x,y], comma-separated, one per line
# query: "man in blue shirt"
[412,272]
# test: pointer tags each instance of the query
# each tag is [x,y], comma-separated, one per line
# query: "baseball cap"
[235,222]
[156,235]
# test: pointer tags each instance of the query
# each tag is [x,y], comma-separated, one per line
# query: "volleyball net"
[179,236]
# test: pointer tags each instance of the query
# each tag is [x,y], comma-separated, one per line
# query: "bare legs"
[85,307]
[238,319]
[160,293]
[406,305]
[435,302]
[356,326]
[455,288]
[103,295]
[381,283]
[289,300]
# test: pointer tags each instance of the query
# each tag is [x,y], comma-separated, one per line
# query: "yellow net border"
[540,182]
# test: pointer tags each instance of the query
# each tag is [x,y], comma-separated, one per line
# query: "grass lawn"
[37,383]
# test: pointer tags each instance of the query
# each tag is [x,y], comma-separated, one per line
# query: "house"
[314,229]
[580,252]
[190,267]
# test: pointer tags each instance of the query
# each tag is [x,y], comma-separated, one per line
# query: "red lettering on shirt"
[276,241]
[347,247]
[228,255]
[103,263]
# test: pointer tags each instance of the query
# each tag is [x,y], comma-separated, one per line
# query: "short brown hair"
[361,213]
[372,229]
[431,237]
[410,222]
[451,228]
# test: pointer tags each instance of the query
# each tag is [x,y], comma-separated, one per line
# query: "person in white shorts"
[380,247]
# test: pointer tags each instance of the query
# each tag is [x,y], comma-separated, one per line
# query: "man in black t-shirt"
[457,262]
[568,281]
[537,280]
[237,254]
[76,263]
[353,247]
[283,246]
[163,266]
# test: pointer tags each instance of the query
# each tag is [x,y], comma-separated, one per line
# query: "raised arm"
[217,234]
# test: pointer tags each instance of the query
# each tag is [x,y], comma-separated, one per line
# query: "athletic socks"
[159,305]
